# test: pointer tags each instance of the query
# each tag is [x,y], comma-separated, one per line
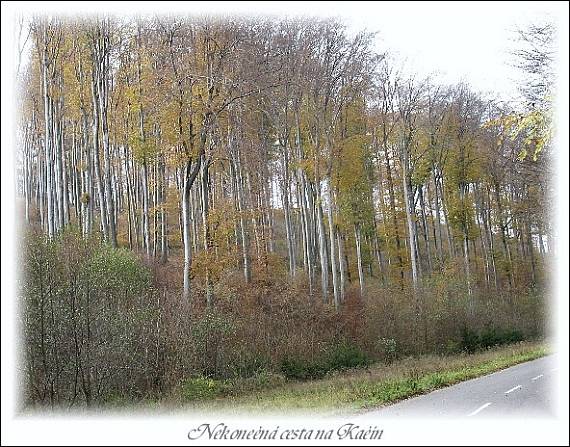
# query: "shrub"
[117,271]
[101,326]
[209,335]
[450,347]
[200,388]
[388,349]
[344,355]
[294,367]
[513,336]
[489,337]
[472,341]
[495,337]
[251,365]
[109,334]
[262,380]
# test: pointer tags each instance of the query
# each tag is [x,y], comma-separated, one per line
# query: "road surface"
[525,389]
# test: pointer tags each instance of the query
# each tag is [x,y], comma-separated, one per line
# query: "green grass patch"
[379,384]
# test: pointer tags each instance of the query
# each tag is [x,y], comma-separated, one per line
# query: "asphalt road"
[522,390]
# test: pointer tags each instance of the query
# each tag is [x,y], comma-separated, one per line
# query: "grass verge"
[374,386]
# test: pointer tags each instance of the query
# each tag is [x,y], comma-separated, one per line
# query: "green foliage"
[101,322]
[143,150]
[353,182]
[533,130]
[116,271]
[472,341]
[251,364]
[345,355]
[339,356]
[295,367]
[469,340]
[421,172]
[461,214]
[210,334]
[200,388]
[388,347]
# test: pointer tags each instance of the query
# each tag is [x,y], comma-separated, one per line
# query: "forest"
[209,199]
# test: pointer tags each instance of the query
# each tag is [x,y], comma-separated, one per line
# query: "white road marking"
[554,369]
[537,377]
[481,408]
[513,389]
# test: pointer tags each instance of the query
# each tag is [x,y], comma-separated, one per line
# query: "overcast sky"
[469,42]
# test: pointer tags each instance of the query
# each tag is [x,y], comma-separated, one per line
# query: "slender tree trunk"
[342,264]
[163,214]
[190,173]
[242,222]
[103,105]
[287,213]
[357,237]
[47,138]
[410,221]
[392,196]
[425,228]
[332,237]
[97,161]
[323,253]
[129,192]
[503,228]
[462,197]
[145,225]
[186,236]
[205,202]
[439,238]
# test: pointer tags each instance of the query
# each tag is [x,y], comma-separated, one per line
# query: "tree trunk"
[48,139]
[410,221]
[190,173]
[323,253]
[332,237]
[97,160]
[392,196]
[357,237]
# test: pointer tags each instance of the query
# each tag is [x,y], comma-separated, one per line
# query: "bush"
[210,335]
[110,335]
[201,388]
[389,349]
[100,331]
[294,367]
[513,336]
[117,271]
[495,337]
[262,380]
[251,365]
[472,341]
[343,355]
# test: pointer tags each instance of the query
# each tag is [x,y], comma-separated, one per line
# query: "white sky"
[456,41]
